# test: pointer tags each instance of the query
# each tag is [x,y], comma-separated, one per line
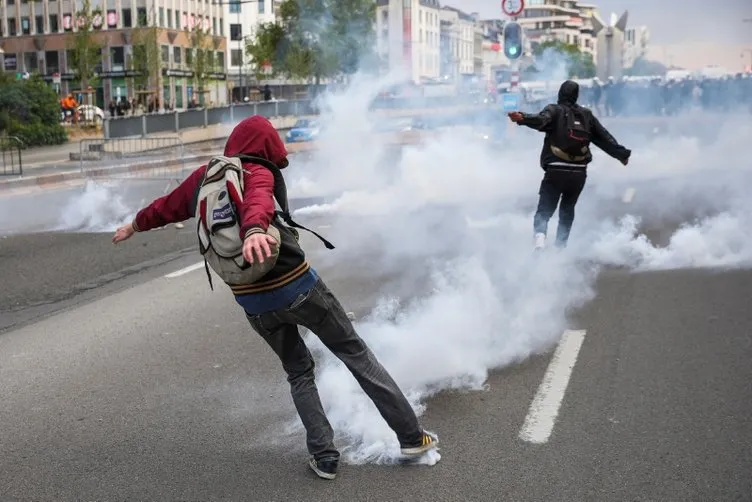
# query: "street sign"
[510,101]
[512,8]
[56,78]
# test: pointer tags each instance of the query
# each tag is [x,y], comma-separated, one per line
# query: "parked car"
[303,130]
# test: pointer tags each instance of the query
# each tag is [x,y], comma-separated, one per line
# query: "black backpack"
[572,137]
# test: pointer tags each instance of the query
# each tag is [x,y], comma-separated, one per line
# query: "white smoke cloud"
[459,210]
[99,208]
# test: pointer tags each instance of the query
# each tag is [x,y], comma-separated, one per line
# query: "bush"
[30,111]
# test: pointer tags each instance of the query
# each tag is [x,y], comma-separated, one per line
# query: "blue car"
[303,130]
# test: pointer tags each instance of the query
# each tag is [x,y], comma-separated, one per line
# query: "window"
[165,53]
[189,56]
[127,21]
[12,26]
[214,25]
[143,20]
[53,23]
[220,60]
[117,58]
[25,26]
[161,16]
[51,62]
[234,7]
[169,18]
[222,27]
[30,61]
[261,7]
[11,2]
[236,32]
[177,55]
[39,21]
[177,19]
[236,57]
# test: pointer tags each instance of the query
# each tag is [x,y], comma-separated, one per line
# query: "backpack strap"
[280,193]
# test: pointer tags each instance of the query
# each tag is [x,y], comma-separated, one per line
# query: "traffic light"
[512,40]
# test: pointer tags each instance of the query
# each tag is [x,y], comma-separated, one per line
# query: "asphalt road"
[120,383]
[161,392]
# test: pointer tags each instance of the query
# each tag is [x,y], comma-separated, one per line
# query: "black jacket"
[549,118]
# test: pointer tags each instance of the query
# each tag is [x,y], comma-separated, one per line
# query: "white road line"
[541,417]
[185,270]
[628,195]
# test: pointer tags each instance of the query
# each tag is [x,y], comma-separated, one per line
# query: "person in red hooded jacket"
[291,294]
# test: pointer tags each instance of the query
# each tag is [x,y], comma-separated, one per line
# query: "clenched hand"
[515,117]
[259,244]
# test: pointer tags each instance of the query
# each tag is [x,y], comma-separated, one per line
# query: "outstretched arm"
[606,142]
[542,121]
[176,206]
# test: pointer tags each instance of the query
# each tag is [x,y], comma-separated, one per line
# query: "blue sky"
[691,35]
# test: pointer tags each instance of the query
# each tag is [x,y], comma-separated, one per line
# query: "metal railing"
[155,158]
[173,122]
[10,149]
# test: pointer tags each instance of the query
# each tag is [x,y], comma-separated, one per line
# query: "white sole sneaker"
[429,441]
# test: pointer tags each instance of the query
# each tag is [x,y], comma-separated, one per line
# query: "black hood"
[568,93]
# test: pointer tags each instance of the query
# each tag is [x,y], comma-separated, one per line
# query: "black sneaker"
[428,441]
[325,468]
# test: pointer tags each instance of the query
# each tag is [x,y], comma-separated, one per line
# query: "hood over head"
[569,92]
[257,136]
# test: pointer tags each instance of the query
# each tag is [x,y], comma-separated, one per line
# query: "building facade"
[243,16]
[457,43]
[567,21]
[38,36]
[408,37]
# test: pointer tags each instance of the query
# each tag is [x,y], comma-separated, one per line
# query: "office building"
[37,36]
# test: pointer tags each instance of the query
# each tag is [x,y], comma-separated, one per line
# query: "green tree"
[146,60]
[267,45]
[29,109]
[315,38]
[202,61]
[579,64]
[85,51]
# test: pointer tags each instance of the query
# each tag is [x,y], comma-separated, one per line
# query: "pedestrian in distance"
[565,156]
[255,250]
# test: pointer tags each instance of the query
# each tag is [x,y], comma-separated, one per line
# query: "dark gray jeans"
[320,312]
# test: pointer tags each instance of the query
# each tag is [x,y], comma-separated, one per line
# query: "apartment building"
[457,43]
[244,17]
[36,36]
[568,21]
[408,36]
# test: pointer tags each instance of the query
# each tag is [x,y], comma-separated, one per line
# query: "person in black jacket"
[569,130]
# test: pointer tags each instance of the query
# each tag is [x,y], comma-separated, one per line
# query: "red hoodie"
[254,136]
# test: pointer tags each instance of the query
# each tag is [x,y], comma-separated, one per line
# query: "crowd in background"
[656,96]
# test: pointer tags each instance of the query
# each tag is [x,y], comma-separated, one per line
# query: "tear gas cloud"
[451,219]
[456,212]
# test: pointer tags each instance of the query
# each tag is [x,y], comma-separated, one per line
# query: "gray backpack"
[218,224]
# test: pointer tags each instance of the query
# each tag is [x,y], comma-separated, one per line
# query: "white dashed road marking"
[185,270]
[544,409]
